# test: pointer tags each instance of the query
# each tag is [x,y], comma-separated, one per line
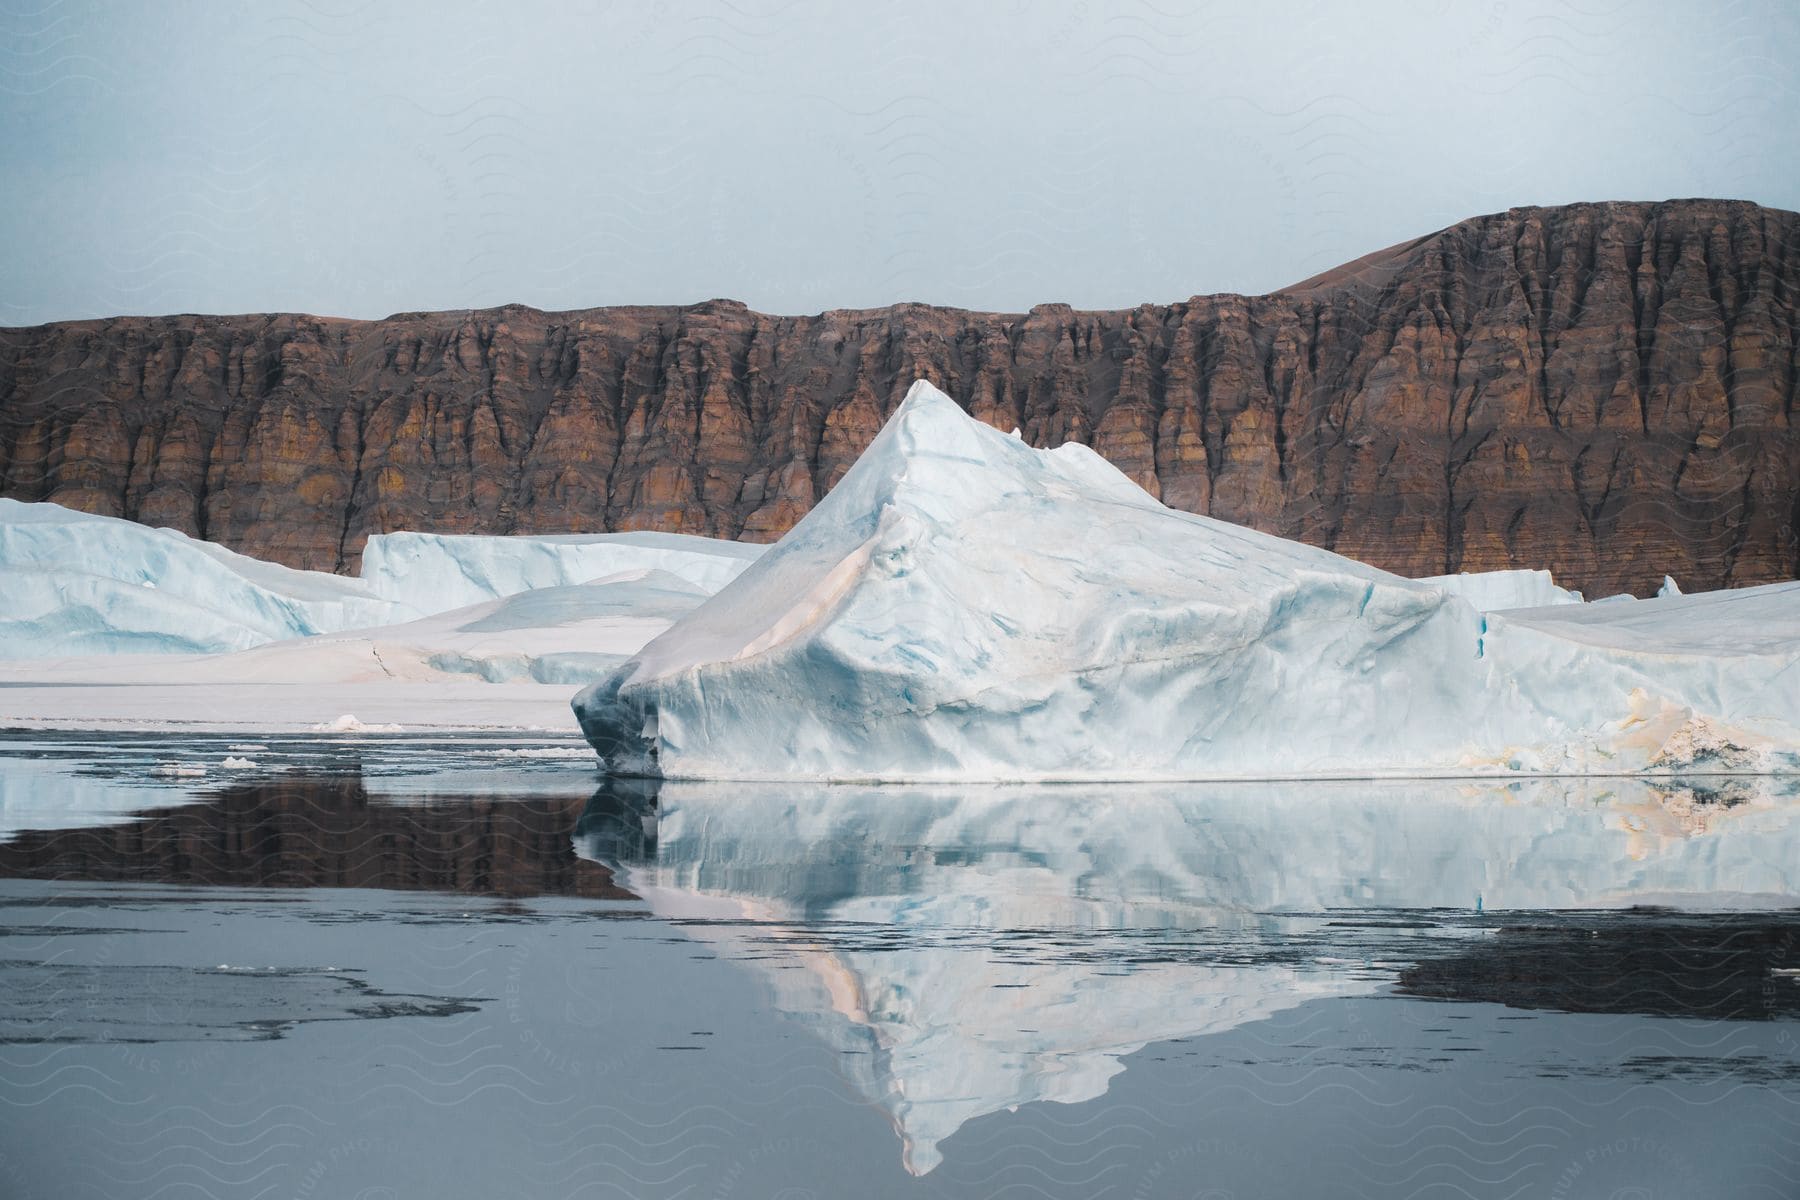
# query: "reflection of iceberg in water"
[979,948]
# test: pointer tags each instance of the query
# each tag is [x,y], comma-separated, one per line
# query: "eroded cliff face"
[1606,390]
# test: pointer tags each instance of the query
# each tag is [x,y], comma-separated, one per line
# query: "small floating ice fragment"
[348,723]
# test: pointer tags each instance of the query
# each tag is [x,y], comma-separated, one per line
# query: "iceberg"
[107,623]
[977,948]
[83,584]
[962,606]
[1492,591]
[79,584]
[433,572]
[568,634]
[510,662]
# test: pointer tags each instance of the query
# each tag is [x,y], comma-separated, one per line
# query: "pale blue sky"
[355,158]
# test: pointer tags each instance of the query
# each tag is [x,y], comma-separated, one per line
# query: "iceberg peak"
[965,606]
[926,397]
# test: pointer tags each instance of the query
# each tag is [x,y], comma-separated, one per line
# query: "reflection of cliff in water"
[1716,967]
[972,949]
[328,832]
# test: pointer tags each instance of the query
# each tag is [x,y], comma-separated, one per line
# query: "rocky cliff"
[1607,390]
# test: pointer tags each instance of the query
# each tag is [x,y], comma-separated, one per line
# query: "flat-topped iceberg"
[963,606]
[83,584]
[105,622]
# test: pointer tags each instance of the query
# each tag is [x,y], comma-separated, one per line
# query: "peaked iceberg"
[963,606]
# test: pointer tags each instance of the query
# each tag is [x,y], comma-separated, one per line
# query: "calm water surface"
[383,966]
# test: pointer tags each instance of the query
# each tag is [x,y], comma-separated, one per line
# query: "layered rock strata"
[1604,390]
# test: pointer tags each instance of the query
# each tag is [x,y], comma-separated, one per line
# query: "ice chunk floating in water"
[963,606]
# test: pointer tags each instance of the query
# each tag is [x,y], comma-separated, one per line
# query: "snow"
[939,1015]
[962,606]
[431,572]
[82,584]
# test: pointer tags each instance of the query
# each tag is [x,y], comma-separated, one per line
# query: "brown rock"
[1607,390]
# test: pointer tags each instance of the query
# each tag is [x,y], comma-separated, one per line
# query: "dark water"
[383,967]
